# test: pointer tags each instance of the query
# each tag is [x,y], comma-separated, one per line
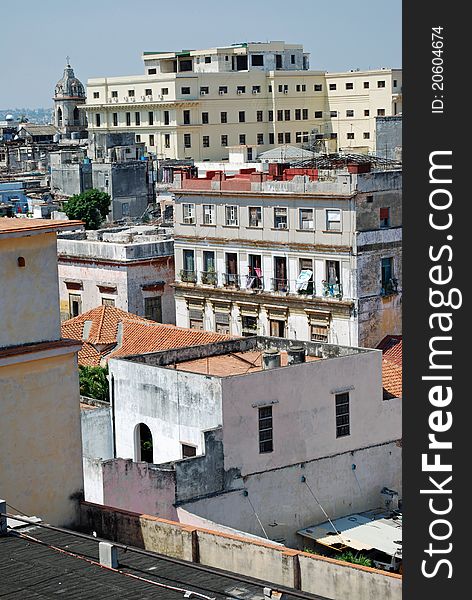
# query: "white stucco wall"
[176,406]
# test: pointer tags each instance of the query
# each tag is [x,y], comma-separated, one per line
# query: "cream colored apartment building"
[198,103]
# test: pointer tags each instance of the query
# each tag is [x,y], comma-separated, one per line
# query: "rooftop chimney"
[296,355]
[270,358]
[108,555]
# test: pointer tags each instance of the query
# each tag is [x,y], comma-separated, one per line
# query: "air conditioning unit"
[255,92]
[240,91]
[149,98]
[202,93]
[115,99]
[132,98]
[161,97]
[281,225]
[222,92]
[143,98]
[285,91]
[126,98]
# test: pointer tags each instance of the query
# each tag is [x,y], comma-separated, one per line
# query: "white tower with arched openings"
[69,95]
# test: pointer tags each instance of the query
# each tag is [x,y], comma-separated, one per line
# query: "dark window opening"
[257,60]
[342,414]
[144,444]
[266,441]
[153,309]
[188,451]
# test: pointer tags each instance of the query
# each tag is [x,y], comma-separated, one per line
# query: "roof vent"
[296,355]
[108,555]
[270,358]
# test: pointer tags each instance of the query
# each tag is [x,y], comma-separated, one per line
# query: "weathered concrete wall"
[127,183]
[368,212]
[238,554]
[70,179]
[40,445]
[29,302]
[96,432]
[139,487]
[388,141]
[175,405]
[284,503]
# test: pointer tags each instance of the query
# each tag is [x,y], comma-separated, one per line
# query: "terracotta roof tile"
[392,350]
[139,335]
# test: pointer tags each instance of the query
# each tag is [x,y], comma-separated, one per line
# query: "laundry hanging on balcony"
[303,279]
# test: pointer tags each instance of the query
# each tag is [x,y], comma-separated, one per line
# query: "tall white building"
[198,103]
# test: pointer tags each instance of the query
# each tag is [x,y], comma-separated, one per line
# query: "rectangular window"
[242,139]
[271,139]
[108,301]
[189,451]
[148,92]
[114,94]
[167,140]
[207,59]
[318,332]
[259,116]
[318,87]
[188,272]
[305,114]
[342,414]
[206,141]
[287,115]
[306,218]
[260,139]
[266,441]
[278,61]
[366,135]
[137,118]
[256,89]
[153,309]
[384,217]
[151,118]
[185,91]
[271,115]
[287,137]
[366,112]
[380,84]
[151,140]
[281,87]
[298,114]
[138,138]
[97,120]
[204,90]
[269,89]
[164,91]
[115,119]
[257,60]
[249,325]
[349,86]
[209,275]
[298,137]
[166,117]
[350,135]
[231,213]
[131,93]
[152,71]
[205,119]
[318,114]
[349,113]
[381,112]
[224,117]
[188,211]
[280,218]
[395,83]
[332,86]
[255,216]
[223,89]
[333,220]
[366,85]
[292,59]
[241,89]
[186,117]
[333,113]
[388,282]
[75,305]
[333,136]
[242,116]
[280,138]
[280,115]
[224,140]
[208,214]
[187,140]
[96,94]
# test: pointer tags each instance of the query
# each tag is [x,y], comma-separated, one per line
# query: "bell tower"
[69,95]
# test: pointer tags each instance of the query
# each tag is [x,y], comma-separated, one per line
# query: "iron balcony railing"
[253,282]
[231,280]
[389,287]
[188,276]
[332,290]
[209,277]
[279,285]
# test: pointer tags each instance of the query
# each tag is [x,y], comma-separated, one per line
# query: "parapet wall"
[262,560]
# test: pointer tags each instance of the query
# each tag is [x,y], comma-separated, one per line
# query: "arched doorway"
[59,117]
[76,116]
[143,443]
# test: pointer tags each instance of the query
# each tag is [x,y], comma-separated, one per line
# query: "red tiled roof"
[10,226]
[139,335]
[392,350]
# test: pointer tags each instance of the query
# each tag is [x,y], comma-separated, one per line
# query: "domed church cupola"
[69,94]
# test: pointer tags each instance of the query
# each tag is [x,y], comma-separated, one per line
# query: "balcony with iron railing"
[188,276]
[332,290]
[209,277]
[389,288]
[279,285]
[231,280]
[253,282]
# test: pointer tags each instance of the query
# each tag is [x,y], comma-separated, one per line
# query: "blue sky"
[106,37]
